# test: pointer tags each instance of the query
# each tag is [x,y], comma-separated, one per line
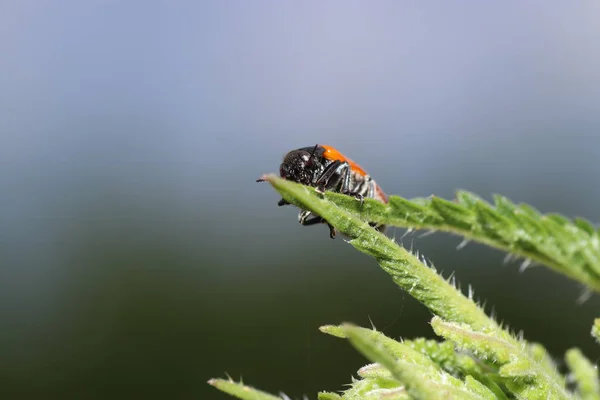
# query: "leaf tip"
[267,178]
[333,330]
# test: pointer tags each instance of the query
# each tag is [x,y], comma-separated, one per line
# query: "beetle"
[327,169]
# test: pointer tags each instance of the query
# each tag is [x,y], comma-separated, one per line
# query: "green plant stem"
[422,282]
[570,248]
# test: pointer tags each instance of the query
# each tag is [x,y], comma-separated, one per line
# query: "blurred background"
[138,257]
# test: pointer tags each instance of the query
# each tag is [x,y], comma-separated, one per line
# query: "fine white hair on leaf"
[451,279]
[424,259]
[508,258]
[585,295]
[524,265]
[484,304]
[428,233]
[406,233]
[432,266]
[462,244]
[372,324]
[471,292]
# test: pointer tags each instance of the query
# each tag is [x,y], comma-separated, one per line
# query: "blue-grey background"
[139,258]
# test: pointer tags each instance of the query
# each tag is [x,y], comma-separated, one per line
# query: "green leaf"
[333,330]
[518,368]
[422,282]
[241,391]
[585,226]
[570,248]
[376,389]
[422,381]
[453,213]
[585,374]
[477,387]
[458,364]
[396,349]
[596,330]
[329,396]
[375,371]
[468,199]
[416,213]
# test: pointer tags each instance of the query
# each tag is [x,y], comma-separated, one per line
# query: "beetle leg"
[307,218]
[359,197]
[323,182]
[341,182]
[282,202]
[337,179]
[370,192]
[332,231]
[303,216]
[345,178]
[345,188]
[314,219]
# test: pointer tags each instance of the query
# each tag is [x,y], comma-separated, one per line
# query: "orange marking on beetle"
[380,194]
[331,153]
